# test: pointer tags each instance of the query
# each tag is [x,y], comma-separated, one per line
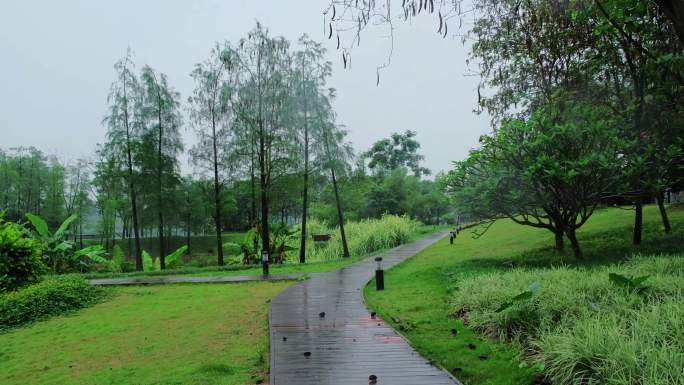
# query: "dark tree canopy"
[397,151]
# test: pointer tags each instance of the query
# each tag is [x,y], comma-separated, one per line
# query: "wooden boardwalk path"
[345,346]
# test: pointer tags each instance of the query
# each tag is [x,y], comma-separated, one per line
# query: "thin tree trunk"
[217,196]
[638,222]
[265,241]
[128,238]
[160,187]
[305,198]
[131,188]
[340,217]
[134,207]
[560,244]
[187,238]
[187,230]
[576,250]
[263,178]
[663,213]
[80,230]
[253,212]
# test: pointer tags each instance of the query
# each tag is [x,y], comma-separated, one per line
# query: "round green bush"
[49,297]
[20,256]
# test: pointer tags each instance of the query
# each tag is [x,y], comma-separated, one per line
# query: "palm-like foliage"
[60,254]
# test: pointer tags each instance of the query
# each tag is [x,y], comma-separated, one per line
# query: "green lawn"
[172,334]
[417,296]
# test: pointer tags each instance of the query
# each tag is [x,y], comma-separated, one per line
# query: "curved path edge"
[322,333]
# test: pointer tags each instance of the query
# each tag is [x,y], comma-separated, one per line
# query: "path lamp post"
[264,262]
[379,275]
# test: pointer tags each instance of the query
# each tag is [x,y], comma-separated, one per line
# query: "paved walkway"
[346,346]
[161,280]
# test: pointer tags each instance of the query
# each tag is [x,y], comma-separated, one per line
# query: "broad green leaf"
[148,262]
[64,246]
[95,254]
[89,250]
[531,293]
[232,244]
[39,224]
[619,279]
[64,226]
[176,254]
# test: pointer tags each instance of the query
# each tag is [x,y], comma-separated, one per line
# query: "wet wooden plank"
[346,345]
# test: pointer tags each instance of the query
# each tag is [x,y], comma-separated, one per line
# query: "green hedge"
[50,297]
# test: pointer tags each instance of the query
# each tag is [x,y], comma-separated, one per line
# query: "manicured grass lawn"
[417,296]
[172,334]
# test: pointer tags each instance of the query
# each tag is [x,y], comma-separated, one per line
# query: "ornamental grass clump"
[364,237]
[614,324]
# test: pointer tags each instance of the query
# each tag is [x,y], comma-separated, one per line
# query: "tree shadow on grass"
[216,369]
[602,247]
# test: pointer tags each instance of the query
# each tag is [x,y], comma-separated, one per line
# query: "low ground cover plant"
[49,297]
[615,324]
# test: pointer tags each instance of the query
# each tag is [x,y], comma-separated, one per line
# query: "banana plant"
[249,246]
[58,252]
[172,260]
[96,254]
[281,235]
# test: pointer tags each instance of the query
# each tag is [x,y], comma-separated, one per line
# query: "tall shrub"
[20,256]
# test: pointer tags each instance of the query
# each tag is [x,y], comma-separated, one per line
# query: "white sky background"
[56,66]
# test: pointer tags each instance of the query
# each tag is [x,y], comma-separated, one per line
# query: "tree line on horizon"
[268,145]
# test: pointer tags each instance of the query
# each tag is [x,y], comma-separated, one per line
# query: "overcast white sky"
[56,65]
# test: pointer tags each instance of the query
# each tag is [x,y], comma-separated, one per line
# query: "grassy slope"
[418,290]
[177,334]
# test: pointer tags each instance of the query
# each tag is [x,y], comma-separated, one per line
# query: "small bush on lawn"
[20,256]
[584,327]
[50,297]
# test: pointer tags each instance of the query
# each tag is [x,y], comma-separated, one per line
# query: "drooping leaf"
[64,246]
[626,281]
[171,258]
[527,295]
[232,244]
[96,254]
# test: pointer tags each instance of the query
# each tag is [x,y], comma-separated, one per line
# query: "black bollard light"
[264,262]
[379,275]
